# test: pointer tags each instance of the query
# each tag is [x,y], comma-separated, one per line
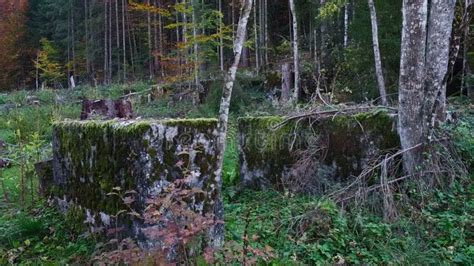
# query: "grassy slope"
[441,231]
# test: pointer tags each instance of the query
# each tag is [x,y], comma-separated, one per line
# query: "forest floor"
[435,227]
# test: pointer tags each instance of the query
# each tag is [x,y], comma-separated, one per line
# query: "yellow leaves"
[148,8]
[331,8]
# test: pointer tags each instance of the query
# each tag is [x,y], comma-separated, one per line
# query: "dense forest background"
[97,42]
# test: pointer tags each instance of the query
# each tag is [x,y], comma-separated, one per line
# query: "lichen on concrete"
[91,158]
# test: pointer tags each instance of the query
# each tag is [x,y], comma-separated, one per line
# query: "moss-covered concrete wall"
[90,158]
[344,146]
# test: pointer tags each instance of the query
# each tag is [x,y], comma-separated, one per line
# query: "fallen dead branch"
[326,113]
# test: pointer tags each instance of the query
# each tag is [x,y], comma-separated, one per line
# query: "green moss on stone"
[100,155]
[349,138]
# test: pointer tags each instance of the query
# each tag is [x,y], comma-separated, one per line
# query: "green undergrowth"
[303,230]
[40,236]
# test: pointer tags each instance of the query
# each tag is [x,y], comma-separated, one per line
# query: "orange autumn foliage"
[13,50]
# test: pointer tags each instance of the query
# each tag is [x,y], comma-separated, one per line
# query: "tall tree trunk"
[68,47]
[412,66]
[195,45]
[267,37]
[346,23]
[117,37]
[296,61]
[124,43]
[161,49]
[225,101]
[437,58]
[466,43]
[110,43]
[86,34]
[323,40]
[255,32]
[150,42]
[73,42]
[106,46]
[221,38]
[377,57]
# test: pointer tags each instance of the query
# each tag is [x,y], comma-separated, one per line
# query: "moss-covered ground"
[297,229]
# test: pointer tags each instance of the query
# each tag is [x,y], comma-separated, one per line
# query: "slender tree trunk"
[221,38]
[130,41]
[110,43]
[296,61]
[68,47]
[265,17]
[412,68]
[465,67]
[323,37]
[255,32]
[195,45]
[37,70]
[155,39]
[184,35]
[86,28]
[437,58]
[285,82]
[377,57]
[161,49]
[225,102]
[346,24]
[150,42]
[124,43]
[73,41]
[106,46]
[117,37]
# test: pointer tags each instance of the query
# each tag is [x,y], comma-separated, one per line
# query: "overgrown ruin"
[310,154]
[91,159]
[94,158]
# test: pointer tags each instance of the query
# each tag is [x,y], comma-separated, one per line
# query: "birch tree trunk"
[437,58]
[377,57]
[411,81]
[296,92]
[346,24]
[225,101]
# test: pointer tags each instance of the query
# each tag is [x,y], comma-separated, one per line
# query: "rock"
[32,100]
[344,146]
[91,158]
[5,163]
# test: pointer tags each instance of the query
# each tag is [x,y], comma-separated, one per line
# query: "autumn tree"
[13,51]
[51,71]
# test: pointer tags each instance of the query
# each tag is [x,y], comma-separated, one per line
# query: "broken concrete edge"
[268,155]
[135,156]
